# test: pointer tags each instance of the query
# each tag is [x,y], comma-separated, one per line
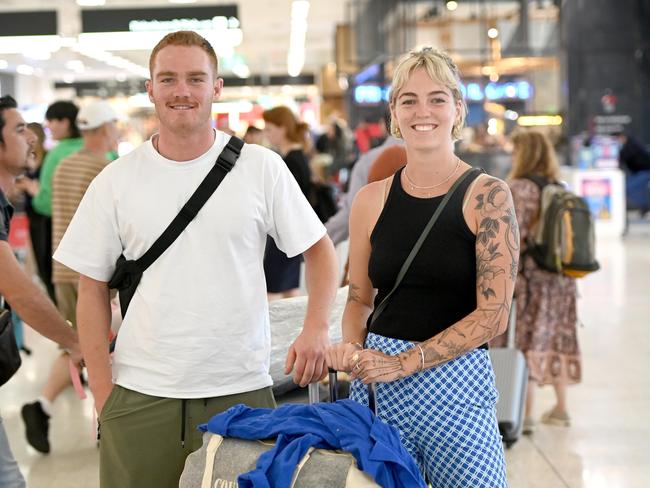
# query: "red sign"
[19,231]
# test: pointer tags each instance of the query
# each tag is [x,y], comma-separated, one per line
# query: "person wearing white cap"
[71,179]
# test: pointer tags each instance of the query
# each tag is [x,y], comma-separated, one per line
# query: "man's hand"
[306,357]
[101,394]
[75,356]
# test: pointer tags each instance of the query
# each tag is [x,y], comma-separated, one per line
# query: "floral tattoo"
[494,209]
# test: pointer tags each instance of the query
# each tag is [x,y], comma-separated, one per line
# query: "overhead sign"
[511,90]
[32,23]
[216,17]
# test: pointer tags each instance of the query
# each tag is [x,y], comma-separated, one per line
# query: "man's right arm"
[94,322]
[31,303]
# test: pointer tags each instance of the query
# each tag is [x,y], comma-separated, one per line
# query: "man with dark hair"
[196,337]
[16,147]
[635,159]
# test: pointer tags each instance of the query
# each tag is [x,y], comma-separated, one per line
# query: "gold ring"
[355,358]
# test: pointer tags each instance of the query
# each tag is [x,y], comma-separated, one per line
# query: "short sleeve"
[4,227]
[292,222]
[91,244]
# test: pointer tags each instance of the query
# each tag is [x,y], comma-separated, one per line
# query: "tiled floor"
[607,446]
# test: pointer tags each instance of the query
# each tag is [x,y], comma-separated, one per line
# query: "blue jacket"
[344,425]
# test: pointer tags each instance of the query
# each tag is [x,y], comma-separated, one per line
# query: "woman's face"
[425,112]
[275,134]
[59,128]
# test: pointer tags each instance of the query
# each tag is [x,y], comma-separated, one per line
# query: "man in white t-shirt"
[196,337]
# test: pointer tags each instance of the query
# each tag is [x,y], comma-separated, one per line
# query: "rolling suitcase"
[511,377]
[205,468]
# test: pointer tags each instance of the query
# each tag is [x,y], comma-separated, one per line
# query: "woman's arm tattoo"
[497,230]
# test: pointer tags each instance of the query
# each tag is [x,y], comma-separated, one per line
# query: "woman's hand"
[339,356]
[372,366]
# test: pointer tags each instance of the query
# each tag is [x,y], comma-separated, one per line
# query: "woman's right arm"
[363,217]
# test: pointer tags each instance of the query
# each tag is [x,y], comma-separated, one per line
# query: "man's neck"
[184,146]
[97,148]
[6,181]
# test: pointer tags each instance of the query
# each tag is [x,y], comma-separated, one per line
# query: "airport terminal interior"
[576,73]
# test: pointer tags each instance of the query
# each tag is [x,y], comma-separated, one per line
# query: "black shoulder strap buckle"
[230,153]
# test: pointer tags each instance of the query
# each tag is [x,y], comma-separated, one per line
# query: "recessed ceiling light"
[91,3]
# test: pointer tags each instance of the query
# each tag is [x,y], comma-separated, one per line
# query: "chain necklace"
[413,186]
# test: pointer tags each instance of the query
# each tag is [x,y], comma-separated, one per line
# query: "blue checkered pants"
[446,417]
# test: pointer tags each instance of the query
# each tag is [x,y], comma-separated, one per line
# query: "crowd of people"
[195,340]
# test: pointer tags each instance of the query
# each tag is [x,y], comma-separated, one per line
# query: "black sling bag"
[128,273]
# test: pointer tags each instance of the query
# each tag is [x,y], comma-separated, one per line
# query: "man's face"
[183,87]
[18,144]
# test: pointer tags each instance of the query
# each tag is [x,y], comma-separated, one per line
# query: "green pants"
[145,439]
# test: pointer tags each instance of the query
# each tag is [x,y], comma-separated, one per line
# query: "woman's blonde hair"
[440,67]
[282,116]
[533,154]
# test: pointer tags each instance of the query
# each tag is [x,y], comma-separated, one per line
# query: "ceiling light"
[451,6]
[23,69]
[493,33]
[90,3]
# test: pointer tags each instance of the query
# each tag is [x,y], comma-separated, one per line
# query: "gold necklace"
[416,187]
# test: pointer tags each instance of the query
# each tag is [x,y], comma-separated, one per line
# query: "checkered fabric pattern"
[446,417]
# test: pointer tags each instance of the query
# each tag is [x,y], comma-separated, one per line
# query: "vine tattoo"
[497,239]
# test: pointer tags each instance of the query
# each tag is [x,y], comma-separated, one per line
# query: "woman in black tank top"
[425,351]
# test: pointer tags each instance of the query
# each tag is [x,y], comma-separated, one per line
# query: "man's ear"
[149,87]
[218,86]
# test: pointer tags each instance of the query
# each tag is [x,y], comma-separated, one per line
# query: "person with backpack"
[546,299]
[423,305]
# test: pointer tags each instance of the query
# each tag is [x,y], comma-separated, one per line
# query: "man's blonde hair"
[441,68]
[184,38]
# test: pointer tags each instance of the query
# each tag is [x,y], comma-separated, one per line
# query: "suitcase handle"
[314,394]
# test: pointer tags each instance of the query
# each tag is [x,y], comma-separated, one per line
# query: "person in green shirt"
[61,120]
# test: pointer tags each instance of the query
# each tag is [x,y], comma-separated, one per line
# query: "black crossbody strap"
[225,162]
[418,244]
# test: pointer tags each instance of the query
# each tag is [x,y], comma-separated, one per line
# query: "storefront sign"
[216,17]
[598,194]
[515,90]
[33,23]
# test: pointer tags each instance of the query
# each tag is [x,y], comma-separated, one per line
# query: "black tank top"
[439,288]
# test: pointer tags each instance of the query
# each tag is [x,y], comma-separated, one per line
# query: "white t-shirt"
[198,324]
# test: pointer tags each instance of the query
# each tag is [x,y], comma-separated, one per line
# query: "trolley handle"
[314,394]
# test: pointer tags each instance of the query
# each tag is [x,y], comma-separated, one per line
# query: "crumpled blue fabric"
[344,425]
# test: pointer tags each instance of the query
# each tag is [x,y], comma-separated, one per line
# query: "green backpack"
[565,239]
